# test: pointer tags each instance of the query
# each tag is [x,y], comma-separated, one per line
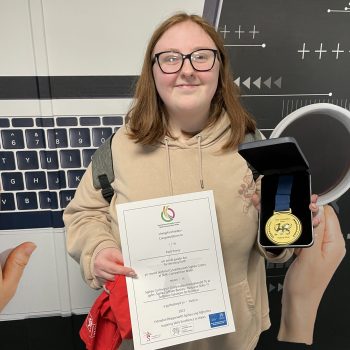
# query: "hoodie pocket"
[244,312]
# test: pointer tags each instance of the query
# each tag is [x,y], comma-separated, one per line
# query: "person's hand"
[256,201]
[108,263]
[12,271]
[316,219]
[308,277]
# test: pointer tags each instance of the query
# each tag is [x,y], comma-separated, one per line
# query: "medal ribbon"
[282,199]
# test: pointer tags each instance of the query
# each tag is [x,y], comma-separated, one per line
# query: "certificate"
[180,293]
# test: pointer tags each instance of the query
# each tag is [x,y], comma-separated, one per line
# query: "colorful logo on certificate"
[167,214]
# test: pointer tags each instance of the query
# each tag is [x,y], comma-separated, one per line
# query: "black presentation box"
[287,182]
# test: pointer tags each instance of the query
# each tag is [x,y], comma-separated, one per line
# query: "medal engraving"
[283,228]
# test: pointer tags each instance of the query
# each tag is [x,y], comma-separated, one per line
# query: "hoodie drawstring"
[166,140]
[199,139]
[170,180]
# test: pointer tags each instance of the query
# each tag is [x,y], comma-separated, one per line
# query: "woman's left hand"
[316,219]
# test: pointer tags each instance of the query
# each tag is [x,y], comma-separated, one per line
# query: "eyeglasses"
[172,61]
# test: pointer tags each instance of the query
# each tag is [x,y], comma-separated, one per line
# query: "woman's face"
[187,91]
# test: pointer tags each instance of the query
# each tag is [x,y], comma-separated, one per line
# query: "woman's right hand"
[108,263]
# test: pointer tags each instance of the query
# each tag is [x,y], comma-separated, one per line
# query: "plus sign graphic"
[253,32]
[320,51]
[225,31]
[239,31]
[303,51]
[337,51]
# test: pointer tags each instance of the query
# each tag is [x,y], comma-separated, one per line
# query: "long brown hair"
[148,117]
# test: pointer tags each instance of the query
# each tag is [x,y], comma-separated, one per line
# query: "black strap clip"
[106,188]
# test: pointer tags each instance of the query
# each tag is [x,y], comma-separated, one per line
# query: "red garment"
[108,321]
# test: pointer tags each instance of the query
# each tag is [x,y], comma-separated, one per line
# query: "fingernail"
[132,274]
[29,250]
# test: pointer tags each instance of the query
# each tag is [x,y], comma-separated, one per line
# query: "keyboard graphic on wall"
[42,160]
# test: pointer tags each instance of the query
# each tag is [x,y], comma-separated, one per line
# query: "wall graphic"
[286,55]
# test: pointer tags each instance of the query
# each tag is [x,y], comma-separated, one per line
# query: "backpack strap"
[251,137]
[102,169]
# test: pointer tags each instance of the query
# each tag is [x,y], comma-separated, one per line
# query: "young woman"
[181,136]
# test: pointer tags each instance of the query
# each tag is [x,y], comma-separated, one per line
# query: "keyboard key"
[56,180]
[67,121]
[22,122]
[66,197]
[4,123]
[79,137]
[35,138]
[27,160]
[35,180]
[87,156]
[48,200]
[7,161]
[74,177]
[99,136]
[12,139]
[49,159]
[115,120]
[27,201]
[89,121]
[70,159]
[7,201]
[57,138]
[45,122]
[12,181]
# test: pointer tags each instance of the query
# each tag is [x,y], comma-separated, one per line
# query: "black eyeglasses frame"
[188,56]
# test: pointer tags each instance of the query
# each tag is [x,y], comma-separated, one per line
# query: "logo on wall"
[167,214]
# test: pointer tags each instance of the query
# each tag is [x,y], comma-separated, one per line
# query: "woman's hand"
[108,263]
[13,270]
[314,209]
[308,277]
[256,201]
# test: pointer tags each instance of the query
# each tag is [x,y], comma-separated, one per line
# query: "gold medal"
[283,228]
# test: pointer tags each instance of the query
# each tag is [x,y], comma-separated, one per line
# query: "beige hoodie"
[171,168]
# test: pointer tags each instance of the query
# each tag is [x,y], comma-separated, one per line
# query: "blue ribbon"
[282,199]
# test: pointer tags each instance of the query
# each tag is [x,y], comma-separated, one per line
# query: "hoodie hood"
[208,136]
